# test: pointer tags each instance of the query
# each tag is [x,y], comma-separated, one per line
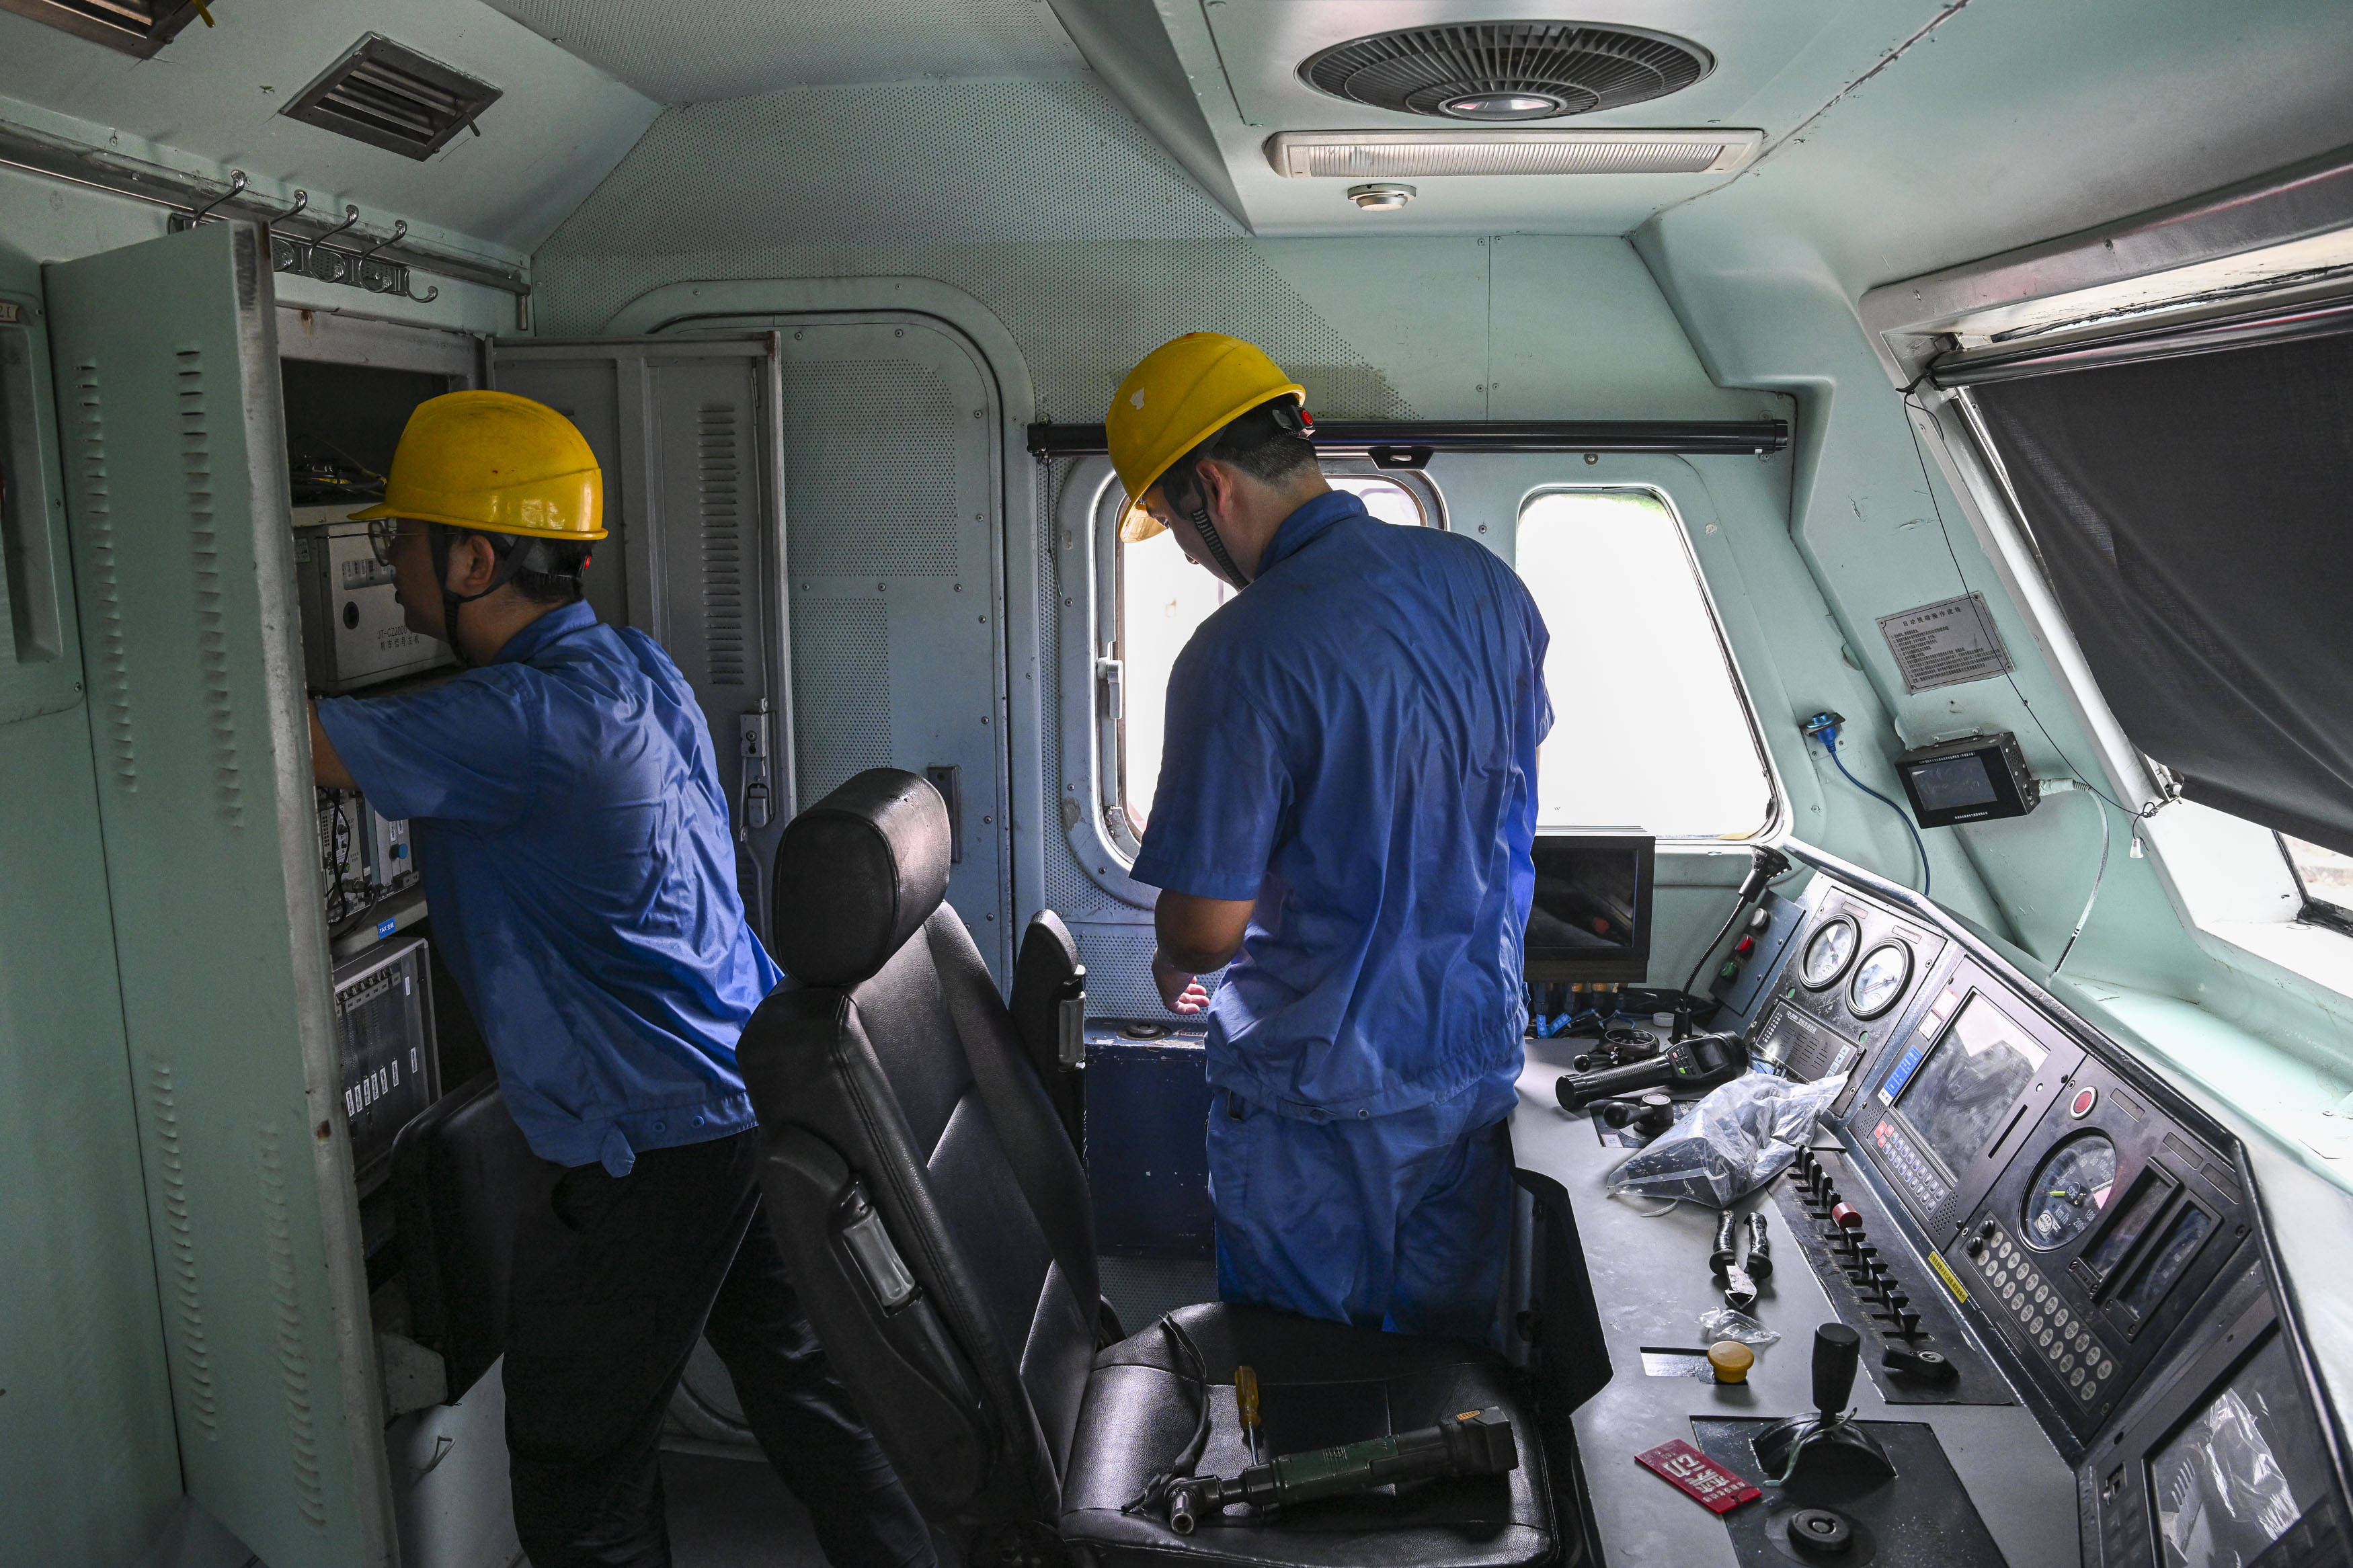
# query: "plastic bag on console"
[1740,1137]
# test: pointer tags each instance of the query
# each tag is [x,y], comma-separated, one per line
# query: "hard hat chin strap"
[1220,563]
[527,555]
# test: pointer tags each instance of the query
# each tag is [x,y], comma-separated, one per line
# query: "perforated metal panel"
[1042,199]
[873,507]
[841,691]
[893,498]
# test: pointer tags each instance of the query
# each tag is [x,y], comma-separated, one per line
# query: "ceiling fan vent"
[1504,71]
[389,96]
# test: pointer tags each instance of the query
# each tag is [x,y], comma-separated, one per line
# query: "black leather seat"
[936,1221]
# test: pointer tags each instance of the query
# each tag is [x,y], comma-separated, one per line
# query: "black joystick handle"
[1726,1252]
[1838,1351]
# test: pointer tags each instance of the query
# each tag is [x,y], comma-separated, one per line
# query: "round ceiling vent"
[1498,71]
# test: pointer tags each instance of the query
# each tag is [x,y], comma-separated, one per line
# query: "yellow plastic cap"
[1731,1359]
[1178,396]
[498,462]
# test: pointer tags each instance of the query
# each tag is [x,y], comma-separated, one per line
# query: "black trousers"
[614,1279]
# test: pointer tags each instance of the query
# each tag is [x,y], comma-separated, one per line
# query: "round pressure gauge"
[1880,979]
[1828,952]
[2069,1190]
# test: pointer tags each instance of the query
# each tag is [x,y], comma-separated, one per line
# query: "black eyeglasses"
[383,537]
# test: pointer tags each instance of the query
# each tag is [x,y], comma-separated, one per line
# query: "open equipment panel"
[2091,1232]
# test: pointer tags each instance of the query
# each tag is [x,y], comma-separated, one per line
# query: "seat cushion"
[1320,1384]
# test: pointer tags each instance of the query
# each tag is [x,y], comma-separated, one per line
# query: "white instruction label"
[1946,643]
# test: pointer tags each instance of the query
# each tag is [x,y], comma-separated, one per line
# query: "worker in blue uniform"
[1345,811]
[565,806]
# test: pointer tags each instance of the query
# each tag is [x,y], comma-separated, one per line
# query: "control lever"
[1827,1452]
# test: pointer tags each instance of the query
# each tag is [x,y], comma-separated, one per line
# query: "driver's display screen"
[1975,1073]
[2226,1484]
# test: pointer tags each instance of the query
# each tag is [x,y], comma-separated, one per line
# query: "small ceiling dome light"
[1381,198]
[1504,106]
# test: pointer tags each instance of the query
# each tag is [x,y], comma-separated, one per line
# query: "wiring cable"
[1824,727]
[2099,804]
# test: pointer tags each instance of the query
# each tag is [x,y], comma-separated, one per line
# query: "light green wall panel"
[88,1470]
[166,368]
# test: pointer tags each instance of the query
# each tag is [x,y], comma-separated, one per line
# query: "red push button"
[1744,946]
[2081,1106]
[1846,1216]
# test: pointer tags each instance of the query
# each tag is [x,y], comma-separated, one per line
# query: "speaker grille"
[1507,71]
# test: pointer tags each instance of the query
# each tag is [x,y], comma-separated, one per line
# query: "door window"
[1162,598]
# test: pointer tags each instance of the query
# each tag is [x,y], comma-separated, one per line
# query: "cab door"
[807,521]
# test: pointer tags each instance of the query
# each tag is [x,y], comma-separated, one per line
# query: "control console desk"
[2115,1375]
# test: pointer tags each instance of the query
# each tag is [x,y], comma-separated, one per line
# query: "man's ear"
[1220,486]
[472,565]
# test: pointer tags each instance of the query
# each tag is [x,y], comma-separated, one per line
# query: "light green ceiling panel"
[732,48]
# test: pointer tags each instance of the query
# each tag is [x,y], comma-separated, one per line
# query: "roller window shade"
[2195,516]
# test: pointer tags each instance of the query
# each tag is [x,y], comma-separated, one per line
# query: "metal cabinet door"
[685,429]
[165,360]
[892,484]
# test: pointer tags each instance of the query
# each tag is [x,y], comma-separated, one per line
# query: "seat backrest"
[932,1210]
[1049,1005]
[463,1177]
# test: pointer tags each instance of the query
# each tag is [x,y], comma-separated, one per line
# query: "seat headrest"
[857,874]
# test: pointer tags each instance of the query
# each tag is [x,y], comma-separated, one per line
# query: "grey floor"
[734,1513]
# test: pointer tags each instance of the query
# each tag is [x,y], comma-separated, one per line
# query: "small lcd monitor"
[1590,918]
[1973,1074]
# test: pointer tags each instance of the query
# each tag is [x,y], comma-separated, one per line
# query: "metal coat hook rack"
[312,255]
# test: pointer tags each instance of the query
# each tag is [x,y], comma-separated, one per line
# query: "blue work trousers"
[1398,1222]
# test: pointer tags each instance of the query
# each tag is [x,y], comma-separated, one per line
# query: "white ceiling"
[694,53]
[210,101]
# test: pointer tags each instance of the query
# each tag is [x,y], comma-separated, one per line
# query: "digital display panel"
[2225,1485]
[1590,918]
[1952,784]
[2172,1255]
[1976,1072]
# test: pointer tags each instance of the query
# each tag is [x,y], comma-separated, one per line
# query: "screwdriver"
[1246,1401]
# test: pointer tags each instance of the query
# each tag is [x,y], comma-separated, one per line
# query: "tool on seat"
[1827,1451]
[1246,1404]
[1473,1443]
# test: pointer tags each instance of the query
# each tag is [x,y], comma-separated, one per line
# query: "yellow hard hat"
[1180,394]
[497,462]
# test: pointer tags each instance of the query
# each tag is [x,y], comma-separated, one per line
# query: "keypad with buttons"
[2051,1329]
[1908,1165]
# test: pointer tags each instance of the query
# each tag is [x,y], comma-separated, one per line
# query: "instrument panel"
[2094,1231]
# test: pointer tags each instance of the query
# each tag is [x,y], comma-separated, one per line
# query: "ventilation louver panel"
[1491,72]
[135,27]
[391,97]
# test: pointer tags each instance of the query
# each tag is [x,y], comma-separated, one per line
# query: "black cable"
[1156,1492]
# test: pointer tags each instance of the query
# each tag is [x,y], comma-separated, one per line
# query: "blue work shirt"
[566,811]
[1352,743]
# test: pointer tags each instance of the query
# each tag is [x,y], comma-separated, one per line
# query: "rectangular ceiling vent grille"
[1391,155]
[135,27]
[394,98]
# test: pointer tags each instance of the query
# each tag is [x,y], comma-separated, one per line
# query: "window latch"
[1110,676]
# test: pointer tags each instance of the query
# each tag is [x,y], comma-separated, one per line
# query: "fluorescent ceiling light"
[1390,154]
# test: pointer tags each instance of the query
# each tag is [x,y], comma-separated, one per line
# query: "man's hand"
[1197,935]
[327,767]
[1179,990]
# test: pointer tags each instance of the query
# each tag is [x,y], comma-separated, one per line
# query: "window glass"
[2327,875]
[1162,598]
[1650,727]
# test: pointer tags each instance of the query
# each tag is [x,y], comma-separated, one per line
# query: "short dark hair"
[1266,443]
[555,579]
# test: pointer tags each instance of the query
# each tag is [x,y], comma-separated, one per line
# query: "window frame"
[1776,824]
[2316,910]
